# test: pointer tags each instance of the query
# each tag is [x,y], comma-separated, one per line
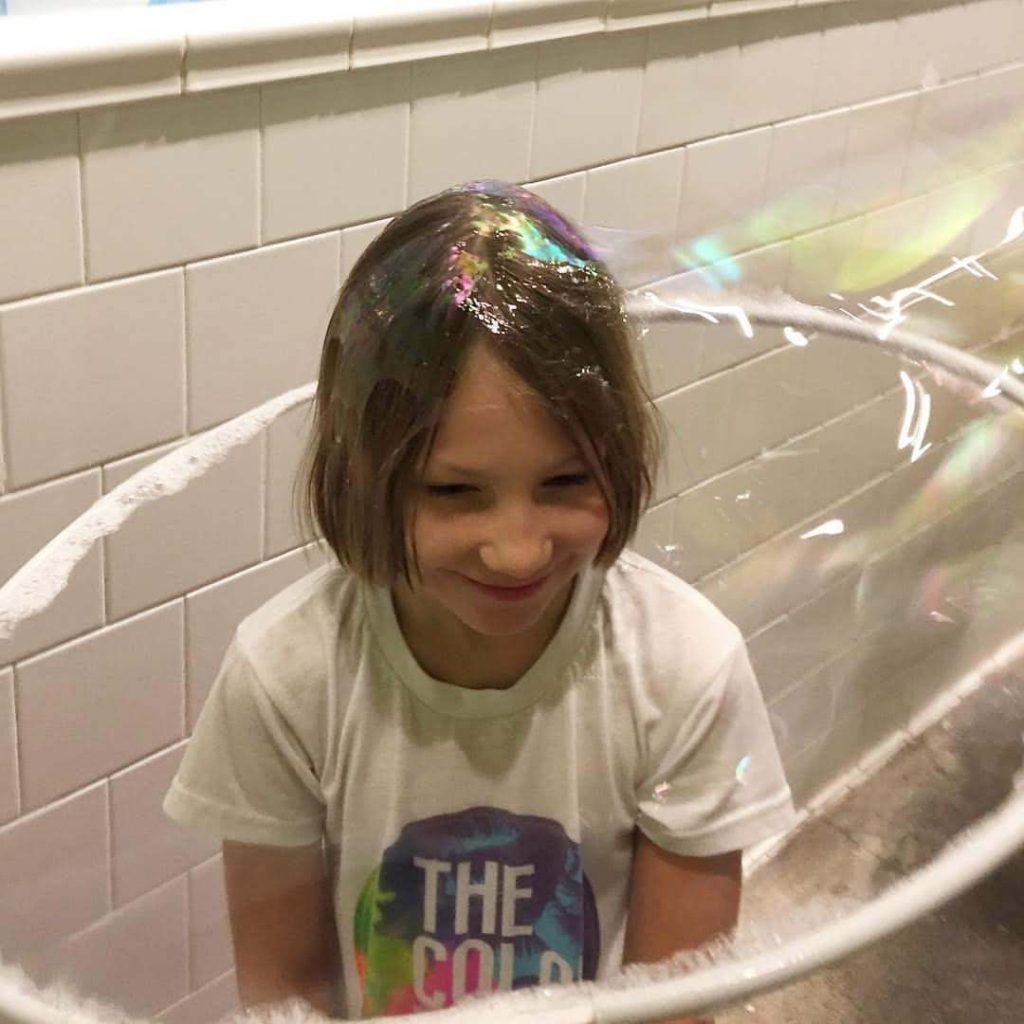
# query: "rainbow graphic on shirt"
[477,901]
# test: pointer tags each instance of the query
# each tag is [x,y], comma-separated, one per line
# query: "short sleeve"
[712,779]
[245,775]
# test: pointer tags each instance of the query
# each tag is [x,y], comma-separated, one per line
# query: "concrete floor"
[964,964]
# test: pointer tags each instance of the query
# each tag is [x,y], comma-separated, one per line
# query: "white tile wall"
[858,54]
[55,865]
[150,935]
[803,175]
[335,150]
[826,261]
[9,801]
[147,849]
[286,441]
[638,200]
[588,102]
[171,180]
[256,324]
[689,79]
[938,153]
[111,697]
[213,613]
[120,341]
[877,141]
[724,187]
[930,46]
[471,118]
[777,71]
[210,529]
[28,520]
[1000,104]
[40,206]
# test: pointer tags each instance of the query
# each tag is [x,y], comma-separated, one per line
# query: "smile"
[509,593]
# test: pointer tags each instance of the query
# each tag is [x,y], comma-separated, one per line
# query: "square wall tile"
[588,102]
[1005,187]
[638,200]
[210,529]
[207,1005]
[877,142]
[696,433]
[858,53]
[940,148]
[471,118]
[213,613]
[803,175]
[335,150]
[825,263]
[150,935]
[170,180]
[209,928]
[28,520]
[653,537]
[689,80]
[999,114]
[930,44]
[565,193]
[793,647]
[354,241]
[706,530]
[286,441]
[108,359]
[671,351]
[55,866]
[9,801]
[100,703]
[777,73]
[40,206]
[147,848]
[723,191]
[256,324]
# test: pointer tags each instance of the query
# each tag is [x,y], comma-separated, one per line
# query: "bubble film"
[850,500]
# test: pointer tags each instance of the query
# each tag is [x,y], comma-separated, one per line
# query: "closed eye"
[455,490]
[569,480]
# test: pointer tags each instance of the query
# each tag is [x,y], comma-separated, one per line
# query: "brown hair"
[485,262]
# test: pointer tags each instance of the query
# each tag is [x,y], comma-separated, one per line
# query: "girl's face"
[507,511]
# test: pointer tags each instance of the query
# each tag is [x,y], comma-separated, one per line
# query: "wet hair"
[491,263]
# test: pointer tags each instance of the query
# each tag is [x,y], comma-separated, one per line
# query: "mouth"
[509,593]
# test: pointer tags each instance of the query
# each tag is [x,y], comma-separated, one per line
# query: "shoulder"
[664,621]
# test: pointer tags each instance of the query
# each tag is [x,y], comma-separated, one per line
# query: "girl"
[489,748]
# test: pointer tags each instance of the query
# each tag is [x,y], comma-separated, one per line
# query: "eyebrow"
[450,467]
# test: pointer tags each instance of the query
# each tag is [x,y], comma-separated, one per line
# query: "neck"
[447,649]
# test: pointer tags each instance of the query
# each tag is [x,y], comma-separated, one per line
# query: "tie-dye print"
[476,901]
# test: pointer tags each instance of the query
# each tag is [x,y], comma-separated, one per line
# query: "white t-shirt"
[483,838]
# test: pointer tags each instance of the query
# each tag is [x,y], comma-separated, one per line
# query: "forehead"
[490,405]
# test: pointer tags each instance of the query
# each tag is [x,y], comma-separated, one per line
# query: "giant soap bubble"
[843,481]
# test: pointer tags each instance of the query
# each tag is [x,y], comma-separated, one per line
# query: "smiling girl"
[487,746]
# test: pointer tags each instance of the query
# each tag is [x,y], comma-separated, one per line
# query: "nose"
[518,546]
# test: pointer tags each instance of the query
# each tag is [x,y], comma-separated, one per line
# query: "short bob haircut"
[488,263]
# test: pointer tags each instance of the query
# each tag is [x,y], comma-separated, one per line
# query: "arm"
[679,902]
[282,924]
